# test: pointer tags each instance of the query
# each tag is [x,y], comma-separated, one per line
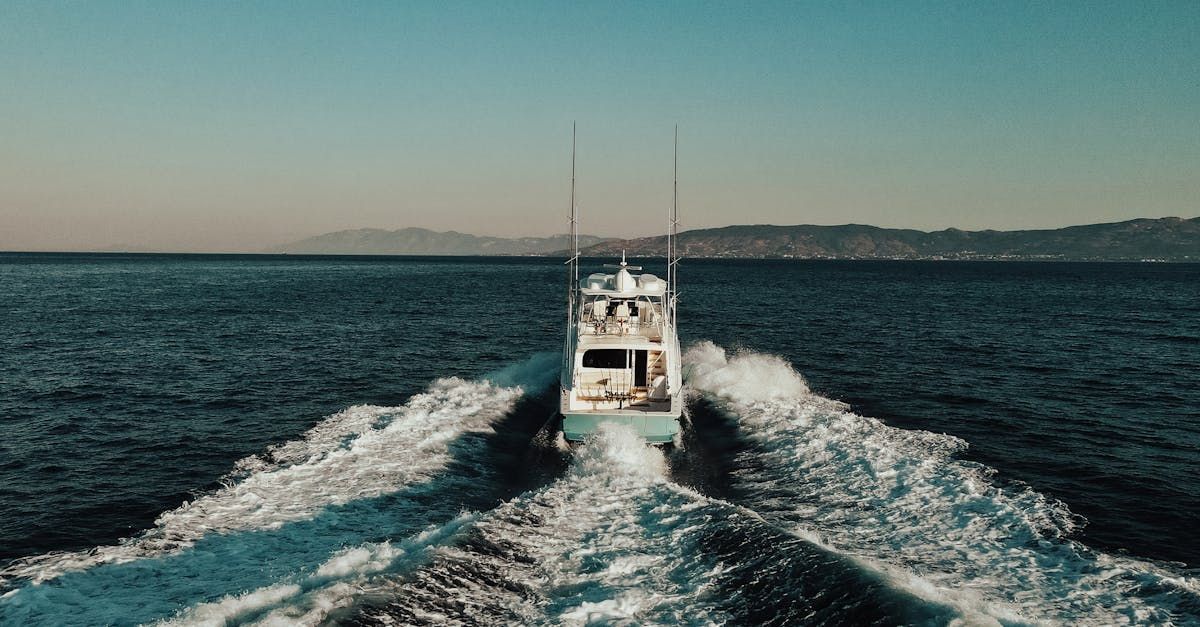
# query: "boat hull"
[656,428]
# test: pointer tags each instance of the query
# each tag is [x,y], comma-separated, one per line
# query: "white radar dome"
[596,281]
[650,283]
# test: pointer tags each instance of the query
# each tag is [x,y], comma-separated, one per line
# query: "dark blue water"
[1064,486]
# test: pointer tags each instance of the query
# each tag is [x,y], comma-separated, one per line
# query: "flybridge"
[623,304]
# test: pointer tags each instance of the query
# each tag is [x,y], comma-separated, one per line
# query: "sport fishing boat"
[621,357]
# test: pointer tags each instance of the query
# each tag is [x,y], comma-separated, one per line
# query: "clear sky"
[236,126]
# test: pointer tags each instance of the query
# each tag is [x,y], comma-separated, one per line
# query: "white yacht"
[621,354]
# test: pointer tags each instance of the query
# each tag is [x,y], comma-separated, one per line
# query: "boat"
[621,357]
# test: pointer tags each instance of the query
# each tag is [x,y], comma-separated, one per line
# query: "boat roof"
[622,284]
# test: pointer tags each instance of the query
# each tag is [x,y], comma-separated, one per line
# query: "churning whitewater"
[411,515]
[613,540]
[900,499]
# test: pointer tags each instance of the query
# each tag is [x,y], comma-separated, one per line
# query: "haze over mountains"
[415,241]
[1167,239]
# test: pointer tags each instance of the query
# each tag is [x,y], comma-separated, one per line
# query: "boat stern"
[655,428]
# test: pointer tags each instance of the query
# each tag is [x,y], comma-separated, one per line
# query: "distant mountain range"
[414,241]
[1165,239]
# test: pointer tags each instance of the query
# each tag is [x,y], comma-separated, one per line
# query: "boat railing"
[618,325]
[619,329]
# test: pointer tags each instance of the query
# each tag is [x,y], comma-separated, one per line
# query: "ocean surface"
[194,439]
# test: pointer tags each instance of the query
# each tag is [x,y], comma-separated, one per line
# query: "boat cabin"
[620,361]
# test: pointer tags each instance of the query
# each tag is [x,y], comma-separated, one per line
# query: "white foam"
[360,453]
[308,600]
[612,541]
[231,608]
[900,498]
[609,541]
[612,451]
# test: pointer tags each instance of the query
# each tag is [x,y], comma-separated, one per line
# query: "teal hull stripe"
[653,428]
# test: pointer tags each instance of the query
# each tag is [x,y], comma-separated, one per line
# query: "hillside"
[1168,239]
[1172,239]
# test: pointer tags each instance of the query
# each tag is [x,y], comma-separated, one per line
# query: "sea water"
[297,440]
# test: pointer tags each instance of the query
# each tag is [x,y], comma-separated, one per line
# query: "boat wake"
[418,515]
[901,499]
[366,473]
[612,541]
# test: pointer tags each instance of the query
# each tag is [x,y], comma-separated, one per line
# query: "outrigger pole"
[574,220]
[672,231]
[573,271]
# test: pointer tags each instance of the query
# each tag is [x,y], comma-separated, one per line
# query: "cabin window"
[606,358]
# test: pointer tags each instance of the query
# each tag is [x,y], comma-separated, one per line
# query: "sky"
[236,126]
